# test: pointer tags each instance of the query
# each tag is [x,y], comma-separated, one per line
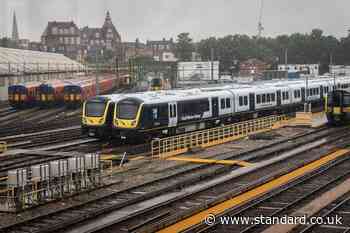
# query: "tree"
[7,43]
[184,47]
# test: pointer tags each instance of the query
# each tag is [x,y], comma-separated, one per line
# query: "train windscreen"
[95,109]
[127,110]
[156,82]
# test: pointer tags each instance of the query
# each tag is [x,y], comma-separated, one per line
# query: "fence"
[166,147]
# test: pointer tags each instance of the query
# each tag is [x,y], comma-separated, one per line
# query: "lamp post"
[97,69]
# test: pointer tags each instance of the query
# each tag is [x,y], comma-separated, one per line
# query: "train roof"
[27,84]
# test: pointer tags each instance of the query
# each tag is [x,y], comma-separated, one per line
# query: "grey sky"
[155,19]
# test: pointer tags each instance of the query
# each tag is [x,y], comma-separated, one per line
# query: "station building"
[21,66]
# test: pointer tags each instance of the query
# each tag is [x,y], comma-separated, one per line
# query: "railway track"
[169,212]
[26,128]
[286,199]
[337,209]
[109,201]
[33,140]
[24,160]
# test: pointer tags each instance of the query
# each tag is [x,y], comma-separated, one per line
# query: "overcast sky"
[155,19]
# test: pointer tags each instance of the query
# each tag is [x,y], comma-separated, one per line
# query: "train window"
[258,99]
[283,95]
[228,103]
[273,97]
[268,99]
[204,105]
[222,103]
[94,109]
[155,113]
[163,112]
[246,100]
[263,99]
[171,114]
[127,110]
[240,101]
[287,95]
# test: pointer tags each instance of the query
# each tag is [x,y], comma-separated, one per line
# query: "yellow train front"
[337,107]
[97,116]
[156,84]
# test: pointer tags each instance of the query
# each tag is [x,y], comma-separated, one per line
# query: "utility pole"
[286,61]
[260,26]
[212,63]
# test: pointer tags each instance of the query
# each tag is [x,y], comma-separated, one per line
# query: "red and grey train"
[71,92]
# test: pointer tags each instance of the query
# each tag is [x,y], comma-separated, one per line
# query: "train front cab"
[19,96]
[97,117]
[126,118]
[337,107]
[156,84]
[46,96]
[72,96]
[11,95]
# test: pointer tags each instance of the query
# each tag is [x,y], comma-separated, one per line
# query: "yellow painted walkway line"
[111,157]
[254,193]
[137,158]
[198,160]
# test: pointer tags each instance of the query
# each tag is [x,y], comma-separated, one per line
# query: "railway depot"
[102,135]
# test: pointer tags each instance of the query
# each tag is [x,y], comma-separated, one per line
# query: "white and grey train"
[165,113]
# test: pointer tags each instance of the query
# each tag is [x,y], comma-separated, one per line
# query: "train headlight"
[100,121]
[133,123]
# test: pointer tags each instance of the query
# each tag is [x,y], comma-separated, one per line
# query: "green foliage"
[7,43]
[184,47]
[312,47]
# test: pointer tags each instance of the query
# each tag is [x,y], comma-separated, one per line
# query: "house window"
[72,30]
[97,35]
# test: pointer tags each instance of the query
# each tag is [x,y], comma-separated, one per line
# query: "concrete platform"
[309,119]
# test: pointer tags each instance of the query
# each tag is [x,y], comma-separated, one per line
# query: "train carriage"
[81,90]
[97,115]
[337,107]
[51,92]
[164,113]
[23,95]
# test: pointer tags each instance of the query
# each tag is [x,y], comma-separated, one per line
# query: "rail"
[171,146]
[3,147]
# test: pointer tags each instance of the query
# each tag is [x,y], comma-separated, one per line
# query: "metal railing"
[166,147]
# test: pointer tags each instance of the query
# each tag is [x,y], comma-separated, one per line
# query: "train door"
[172,114]
[279,101]
[215,106]
[303,96]
[251,101]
